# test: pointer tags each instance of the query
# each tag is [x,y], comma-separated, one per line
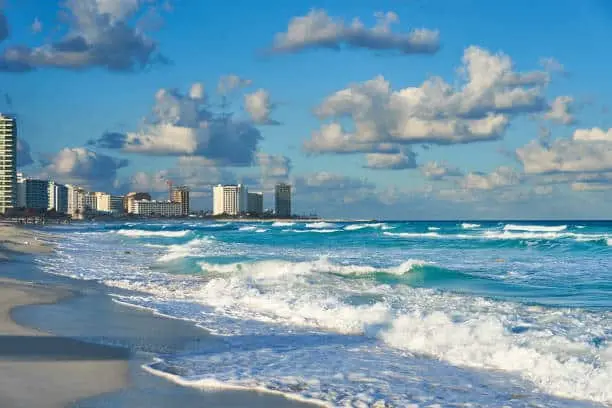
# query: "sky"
[394,109]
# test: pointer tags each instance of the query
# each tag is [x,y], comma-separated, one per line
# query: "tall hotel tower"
[8,162]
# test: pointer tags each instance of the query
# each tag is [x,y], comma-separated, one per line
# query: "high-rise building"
[58,197]
[230,199]
[282,200]
[109,204]
[255,203]
[90,202]
[21,191]
[76,201]
[131,197]
[32,194]
[8,162]
[181,195]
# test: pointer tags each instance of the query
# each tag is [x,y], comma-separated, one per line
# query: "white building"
[230,199]
[58,197]
[109,204]
[255,203]
[156,208]
[8,162]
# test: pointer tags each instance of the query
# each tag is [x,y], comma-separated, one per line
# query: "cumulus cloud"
[561,110]
[228,83]
[318,30]
[97,34]
[589,150]
[439,171]
[501,177]
[184,125]
[479,109]
[24,155]
[274,166]
[405,159]
[78,165]
[593,135]
[552,65]
[259,107]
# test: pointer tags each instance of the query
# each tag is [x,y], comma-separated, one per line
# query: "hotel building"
[230,199]
[58,197]
[282,200]
[255,203]
[181,195]
[156,208]
[8,162]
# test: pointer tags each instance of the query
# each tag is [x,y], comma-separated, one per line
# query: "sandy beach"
[41,370]
[42,364]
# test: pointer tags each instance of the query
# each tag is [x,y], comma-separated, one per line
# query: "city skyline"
[385,110]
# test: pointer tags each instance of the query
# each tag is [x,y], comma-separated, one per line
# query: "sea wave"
[535,228]
[278,268]
[321,225]
[283,224]
[320,231]
[553,363]
[148,233]
[467,225]
[192,248]
[356,227]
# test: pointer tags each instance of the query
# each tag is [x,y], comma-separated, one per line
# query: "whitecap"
[535,228]
[146,233]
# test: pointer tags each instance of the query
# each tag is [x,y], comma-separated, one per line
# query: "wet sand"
[41,370]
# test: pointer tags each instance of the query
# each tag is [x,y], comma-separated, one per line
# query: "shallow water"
[367,314]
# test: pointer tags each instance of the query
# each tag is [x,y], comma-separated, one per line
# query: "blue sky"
[523,133]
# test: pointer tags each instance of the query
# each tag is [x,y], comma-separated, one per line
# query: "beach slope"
[41,370]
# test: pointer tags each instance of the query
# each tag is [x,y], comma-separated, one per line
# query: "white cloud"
[561,110]
[318,30]
[274,166]
[228,83]
[184,125]
[405,159]
[78,165]
[478,110]
[501,177]
[24,155]
[590,150]
[593,135]
[259,107]
[439,171]
[97,34]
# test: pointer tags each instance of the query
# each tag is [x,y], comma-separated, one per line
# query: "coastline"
[42,370]
[97,351]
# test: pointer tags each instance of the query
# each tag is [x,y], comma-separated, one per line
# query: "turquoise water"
[373,314]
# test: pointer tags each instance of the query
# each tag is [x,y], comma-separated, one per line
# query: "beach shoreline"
[88,350]
[42,370]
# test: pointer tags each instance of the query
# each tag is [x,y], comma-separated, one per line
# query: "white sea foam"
[274,269]
[433,228]
[320,231]
[609,241]
[146,233]
[553,363]
[283,224]
[535,228]
[467,225]
[189,249]
[377,225]
[247,228]
[413,234]
[321,225]
[214,384]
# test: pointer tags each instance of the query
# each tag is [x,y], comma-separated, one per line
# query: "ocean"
[370,314]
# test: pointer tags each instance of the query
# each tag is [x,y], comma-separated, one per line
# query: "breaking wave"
[146,233]
[535,228]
